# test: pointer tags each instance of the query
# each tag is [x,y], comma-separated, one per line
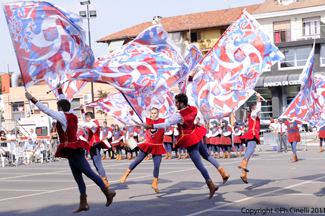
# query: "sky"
[114,16]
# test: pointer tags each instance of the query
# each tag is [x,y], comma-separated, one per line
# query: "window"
[311,26]
[15,111]
[266,109]
[322,55]
[41,131]
[195,37]
[295,57]
[282,31]
[290,93]
[75,104]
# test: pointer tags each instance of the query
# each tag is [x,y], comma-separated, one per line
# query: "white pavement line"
[36,174]
[53,191]
[259,195]
[20,190]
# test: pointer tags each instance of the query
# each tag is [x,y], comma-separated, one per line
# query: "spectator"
[54,137]
[4,145]
[13,144]
[281,132]
[20,143]
[29,148]
[32,135]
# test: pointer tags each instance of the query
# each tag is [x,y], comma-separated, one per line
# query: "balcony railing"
[205,44]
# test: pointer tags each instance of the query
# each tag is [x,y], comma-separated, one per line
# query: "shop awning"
[115,45]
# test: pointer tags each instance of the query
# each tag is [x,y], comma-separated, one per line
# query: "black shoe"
[285,151]
[280,151]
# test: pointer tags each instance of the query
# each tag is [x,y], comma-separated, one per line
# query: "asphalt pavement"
[276,187]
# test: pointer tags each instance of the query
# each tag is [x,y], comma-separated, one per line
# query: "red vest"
[68,139]
[189,133]
[70,135]
[158,134]
[94,137]
[253,129]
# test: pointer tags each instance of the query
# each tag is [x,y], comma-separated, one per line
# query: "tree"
[102,94]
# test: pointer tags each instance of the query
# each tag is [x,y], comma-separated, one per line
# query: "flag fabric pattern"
[143,69]
[227,75]
[69,87]
[306,105]
[166,105]
[192,57]
[114,105]
[48,40]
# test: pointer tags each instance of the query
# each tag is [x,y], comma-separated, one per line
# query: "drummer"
[132,132]
[118,141]
[153,145]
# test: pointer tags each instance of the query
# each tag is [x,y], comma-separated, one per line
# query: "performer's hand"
[192,72]
[59,85]
[257,95]
[28,95]
[81,106]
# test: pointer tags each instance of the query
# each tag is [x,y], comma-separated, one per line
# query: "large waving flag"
[227,75]
[143,70]
[48,40]
[69,87]
[306,105]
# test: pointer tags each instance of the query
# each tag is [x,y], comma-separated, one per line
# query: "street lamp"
[88,15]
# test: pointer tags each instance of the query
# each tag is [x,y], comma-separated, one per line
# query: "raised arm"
[174,119]
[257,111]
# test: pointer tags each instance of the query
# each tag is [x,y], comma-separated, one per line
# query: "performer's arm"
[174,119]
[83,113]
[83,138]
[257,111]
[89,125]
[62,96]
[109,135]
[215,134]
[169,132]
[227,133]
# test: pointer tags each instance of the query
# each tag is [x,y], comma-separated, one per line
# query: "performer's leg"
[156,163]
[320,144]
[195,157]
[179,153]
[251,144]
[79,161]
[166,148]
[229,151]
[294,151]
[95,156]
[133,165]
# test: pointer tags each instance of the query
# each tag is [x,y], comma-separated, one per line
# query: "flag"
[69,87]
[143,69]
[227,75]
[114,105]
[166,105]
[192,57]
[48,40]
[306,105]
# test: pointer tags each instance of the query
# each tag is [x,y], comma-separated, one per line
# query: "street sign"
[21,109]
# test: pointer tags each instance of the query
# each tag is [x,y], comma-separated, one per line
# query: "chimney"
[5,83]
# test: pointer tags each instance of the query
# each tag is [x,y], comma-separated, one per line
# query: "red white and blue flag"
[48,40]
[307,105]
[143,70]
[192,57]
[114,105]
[69,87]
[227,75]
[166,105]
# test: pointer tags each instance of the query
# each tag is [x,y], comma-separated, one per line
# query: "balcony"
[298,34]
[205,45]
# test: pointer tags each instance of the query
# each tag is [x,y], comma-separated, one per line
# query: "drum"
[105,140]
[131,143]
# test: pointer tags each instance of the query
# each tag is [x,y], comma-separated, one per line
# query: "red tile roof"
[269,6]
[181,23]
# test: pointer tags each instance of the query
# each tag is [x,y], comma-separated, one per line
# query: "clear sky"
[116,15]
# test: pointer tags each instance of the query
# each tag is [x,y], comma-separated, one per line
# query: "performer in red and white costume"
[94,141]
[293,136]
[190,136]
[72,148]
[238,131]
[321,135]
[215,139]
[118,138]
[168,142]
[106,133]
[252,135]
[132,132]
[225,139]
[153,145]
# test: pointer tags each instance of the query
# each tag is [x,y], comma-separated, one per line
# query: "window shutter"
[282,25]
[198,36]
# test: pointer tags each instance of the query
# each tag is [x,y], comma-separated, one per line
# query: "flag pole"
[30,105]
[132,107]
[52,89]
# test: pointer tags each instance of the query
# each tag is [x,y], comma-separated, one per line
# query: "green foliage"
[102,94]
